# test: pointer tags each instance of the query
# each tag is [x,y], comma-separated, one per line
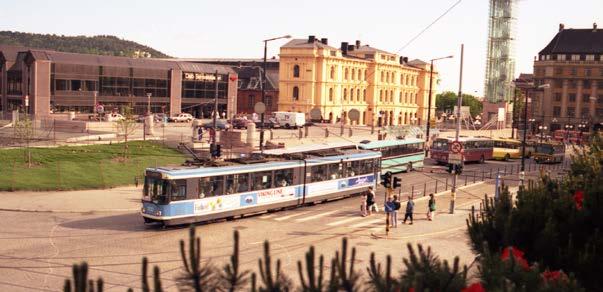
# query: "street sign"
[455,158]
[259,107]
[354,115]
[456,147]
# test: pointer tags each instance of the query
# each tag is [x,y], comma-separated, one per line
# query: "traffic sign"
[259,107]
[455,158]
[456,147]
[354,115]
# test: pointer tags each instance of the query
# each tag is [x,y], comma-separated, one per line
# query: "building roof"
[11,52]
[367,48]
[576,41]
[303,43]
[250,77]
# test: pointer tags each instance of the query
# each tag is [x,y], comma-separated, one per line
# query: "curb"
[66,211]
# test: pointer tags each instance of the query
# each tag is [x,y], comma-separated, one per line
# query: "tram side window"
[178,190]
[335,171]
[350,171]
[283,177]
[211,186]
[261,180]
[319,173]
[363,166]
[237,183]
[157,190]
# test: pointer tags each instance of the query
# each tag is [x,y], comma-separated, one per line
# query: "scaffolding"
[500,63]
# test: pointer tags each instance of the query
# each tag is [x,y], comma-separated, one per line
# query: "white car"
[182,117]
[114,117]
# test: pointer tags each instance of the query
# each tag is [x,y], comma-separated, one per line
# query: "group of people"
[393,205]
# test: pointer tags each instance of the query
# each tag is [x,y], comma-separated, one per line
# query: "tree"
[126,127]
[446,101]
[24,132]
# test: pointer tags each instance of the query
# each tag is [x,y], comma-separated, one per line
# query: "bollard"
[412,191]
[424,189]
[465,179]
[436,186]
[446,186]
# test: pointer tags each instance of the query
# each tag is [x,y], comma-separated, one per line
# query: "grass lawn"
[81,167]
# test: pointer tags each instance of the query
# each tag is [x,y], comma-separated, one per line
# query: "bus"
[551,152]
[475,149]
[398,155]
[237,187]
[505,149]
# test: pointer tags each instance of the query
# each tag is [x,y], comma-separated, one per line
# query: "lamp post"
[525,130]
[264,86]
[532,120]
[542,129]
[429,98]
[148,103]
[458,128]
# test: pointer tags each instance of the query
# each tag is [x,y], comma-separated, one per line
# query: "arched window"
[401,79]
[353,73]
[332,72]
[346,74]
[401,100]
[391,96]
[358,94]
[405,97]
[296,71]
[330,94]
[351,94]
[345,94]
[358,75]
[295,93]
[364,75]
[381,95]
[364,95]
[387,77]
[382,75]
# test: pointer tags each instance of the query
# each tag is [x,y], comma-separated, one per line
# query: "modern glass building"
[53,81]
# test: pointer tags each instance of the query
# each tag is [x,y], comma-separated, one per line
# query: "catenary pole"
[458,128]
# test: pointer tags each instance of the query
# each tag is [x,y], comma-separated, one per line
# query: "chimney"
[311,39]
[561,26]
[344,48]
[351,47]
[401,60]
[594,27]
[357,44]
[405,60]
[324,41]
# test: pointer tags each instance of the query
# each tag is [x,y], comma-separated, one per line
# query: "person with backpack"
[431,207]
[370,200]
[410,207]
[397,206]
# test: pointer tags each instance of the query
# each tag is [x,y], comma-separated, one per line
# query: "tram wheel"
[507,157]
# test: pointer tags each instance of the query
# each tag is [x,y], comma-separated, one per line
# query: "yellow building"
[385,88]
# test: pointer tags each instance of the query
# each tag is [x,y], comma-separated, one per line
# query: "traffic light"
[387,180]
[397,182]
[459,168]
[218,150]
[215,150]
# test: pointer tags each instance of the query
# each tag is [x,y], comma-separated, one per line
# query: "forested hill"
[99,45]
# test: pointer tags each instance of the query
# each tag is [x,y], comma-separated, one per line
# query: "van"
[290,119]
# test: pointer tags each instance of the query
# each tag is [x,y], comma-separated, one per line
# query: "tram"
[401,155]
[255,184]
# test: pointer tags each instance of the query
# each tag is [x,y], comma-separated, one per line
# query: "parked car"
[114,117]
[220,125]
[157,118]
[239,123]
[268,123]
[182,118]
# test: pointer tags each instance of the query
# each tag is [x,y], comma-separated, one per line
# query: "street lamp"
[532,120]
[429,99]
[264,86]
[542,129]
[148,103]
[525,129]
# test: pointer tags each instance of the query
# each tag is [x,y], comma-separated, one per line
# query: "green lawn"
[81,167]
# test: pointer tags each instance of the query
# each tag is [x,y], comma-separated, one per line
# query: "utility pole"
[215,121]
[427,138]
[458,128]
[523,140]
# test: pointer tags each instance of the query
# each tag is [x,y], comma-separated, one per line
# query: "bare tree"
[126,127]
[24,132]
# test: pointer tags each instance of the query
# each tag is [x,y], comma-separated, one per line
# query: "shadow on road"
[122,222]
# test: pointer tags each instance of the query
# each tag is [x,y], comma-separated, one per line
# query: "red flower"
[411,289]
[579,199]
[475,287]
[553,276]
[517,255]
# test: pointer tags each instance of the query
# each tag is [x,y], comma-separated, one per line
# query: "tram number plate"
[455,158]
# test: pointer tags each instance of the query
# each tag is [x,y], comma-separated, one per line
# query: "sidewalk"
[122,199]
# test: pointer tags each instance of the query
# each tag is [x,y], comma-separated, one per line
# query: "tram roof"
[187,171]
[465,139]
[308,147]
[387,143]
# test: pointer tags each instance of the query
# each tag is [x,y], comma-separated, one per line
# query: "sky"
[236,28]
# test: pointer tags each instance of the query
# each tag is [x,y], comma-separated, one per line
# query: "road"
[38,249]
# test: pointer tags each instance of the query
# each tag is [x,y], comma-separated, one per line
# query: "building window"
[332,72]
[250,101]
[573,84]
[353,73]
[296,71]
[558,70]
[571,112]
[588,71]
[365,78]
[351,94]
[590,57]
[387,77]
[381,95]
[357,94]
[364,95]
[574,72]
[585,112]
[561,57]
[585,97]
[330,94]
[345,94]
[295,93]
[572,97]
[268,102]
[557,96]
[556,111]
[347,76]
[586,84]
[358,75]
[575,57]
[401,97]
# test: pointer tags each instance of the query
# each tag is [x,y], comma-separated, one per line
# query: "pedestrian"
[389,208]
[363,205]
[431,205]
[397,207]
[410,207]
[370,200]
[200,134]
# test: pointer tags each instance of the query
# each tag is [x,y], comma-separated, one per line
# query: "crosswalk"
[330,218]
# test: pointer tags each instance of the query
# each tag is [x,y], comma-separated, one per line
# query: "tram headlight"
[143,210]
[158,213]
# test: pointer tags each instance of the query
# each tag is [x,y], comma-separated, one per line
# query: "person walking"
[389,207]
[410,207]
[370,200]
[431,205]
[397,206]
[363,205]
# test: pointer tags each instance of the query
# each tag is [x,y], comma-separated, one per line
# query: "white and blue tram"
[182,195]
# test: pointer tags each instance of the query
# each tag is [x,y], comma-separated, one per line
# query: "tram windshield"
[156,190]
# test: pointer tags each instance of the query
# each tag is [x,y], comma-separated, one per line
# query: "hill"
[98,45]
